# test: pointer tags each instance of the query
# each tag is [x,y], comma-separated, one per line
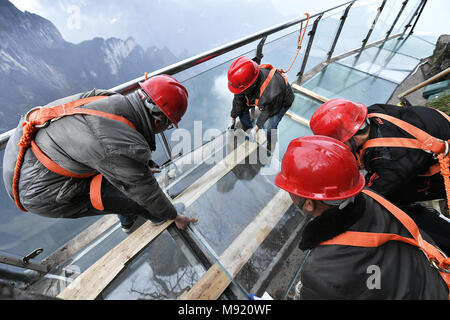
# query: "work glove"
[232,125]
[252,135]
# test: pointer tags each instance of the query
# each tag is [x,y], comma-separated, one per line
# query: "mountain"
[37,65]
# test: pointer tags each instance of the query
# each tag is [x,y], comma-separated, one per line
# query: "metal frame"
[397,18]
[311,35]
[338,33]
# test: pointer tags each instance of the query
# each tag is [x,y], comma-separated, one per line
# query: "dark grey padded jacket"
[85,144]
[392,271]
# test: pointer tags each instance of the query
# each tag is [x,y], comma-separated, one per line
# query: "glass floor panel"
[289,130]
[153,275]
[382,63]
[231,204]
[419,47]
[339,81]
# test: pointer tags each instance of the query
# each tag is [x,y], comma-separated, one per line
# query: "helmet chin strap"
[353,145]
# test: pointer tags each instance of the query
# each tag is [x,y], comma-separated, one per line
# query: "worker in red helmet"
[261,86]
[397,167]
[357,245]
[388,142]
[91,154]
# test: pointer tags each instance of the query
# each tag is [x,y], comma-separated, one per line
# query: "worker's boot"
[156,221]
[127,222]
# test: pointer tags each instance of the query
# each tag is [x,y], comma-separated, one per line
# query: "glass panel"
[419,47]
[382,63]
[281,52]
[289,130]
[356,27]
[231,204]
[230,220]
[386,19]
[338,81]
[323,40]
[152,276]
[406,16]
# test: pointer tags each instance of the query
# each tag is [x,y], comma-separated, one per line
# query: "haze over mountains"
[37,65]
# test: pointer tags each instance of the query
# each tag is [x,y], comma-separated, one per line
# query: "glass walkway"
[248,231]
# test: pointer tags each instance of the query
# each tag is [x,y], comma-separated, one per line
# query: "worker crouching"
[362,246]
[90,154]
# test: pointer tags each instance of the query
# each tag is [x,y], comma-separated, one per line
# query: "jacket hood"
[143,120]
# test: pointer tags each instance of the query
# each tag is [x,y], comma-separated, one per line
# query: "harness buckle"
[39,126]
[434,264]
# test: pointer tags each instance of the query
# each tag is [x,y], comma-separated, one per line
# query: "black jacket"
[83,144]
[277,95]
[343,272]
[397,168]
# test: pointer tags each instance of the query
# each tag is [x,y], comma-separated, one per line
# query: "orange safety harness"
[422,140]
[370,239]
[40,117]
[266,83]
[281,71]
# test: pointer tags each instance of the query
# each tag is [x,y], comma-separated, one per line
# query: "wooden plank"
[95,279]
[298,119]
[310,93]
[91,283]
[81,240]
[212,284]
[424,83]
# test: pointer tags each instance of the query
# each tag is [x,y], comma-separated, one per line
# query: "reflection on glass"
[338,81]
[229,206]
[357,25]
[289,130]
[419,47]
[382,63]
[163,271]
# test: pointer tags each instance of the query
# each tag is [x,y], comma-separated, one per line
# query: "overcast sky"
[198,25]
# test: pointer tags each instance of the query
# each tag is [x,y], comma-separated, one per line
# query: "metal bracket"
[311,35]
[32,255]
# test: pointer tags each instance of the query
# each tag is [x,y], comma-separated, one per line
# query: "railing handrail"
[208,55]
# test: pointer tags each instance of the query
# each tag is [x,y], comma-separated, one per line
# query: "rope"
[445,172]
[299,42]
[29,131]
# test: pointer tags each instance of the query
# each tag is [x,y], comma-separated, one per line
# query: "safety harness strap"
[368,239]
[423,140]
[266,83]
[41,117]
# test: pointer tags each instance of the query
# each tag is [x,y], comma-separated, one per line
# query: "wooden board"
[95,279]
[309,93]
[212,284]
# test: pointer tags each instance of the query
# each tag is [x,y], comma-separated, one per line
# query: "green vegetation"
[440,102]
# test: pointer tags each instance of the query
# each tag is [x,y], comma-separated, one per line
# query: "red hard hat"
[320,168]
[242,73]
[338,118]
[168,94]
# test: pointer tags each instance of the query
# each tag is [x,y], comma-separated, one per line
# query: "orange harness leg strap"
[368,239]
[41,117]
